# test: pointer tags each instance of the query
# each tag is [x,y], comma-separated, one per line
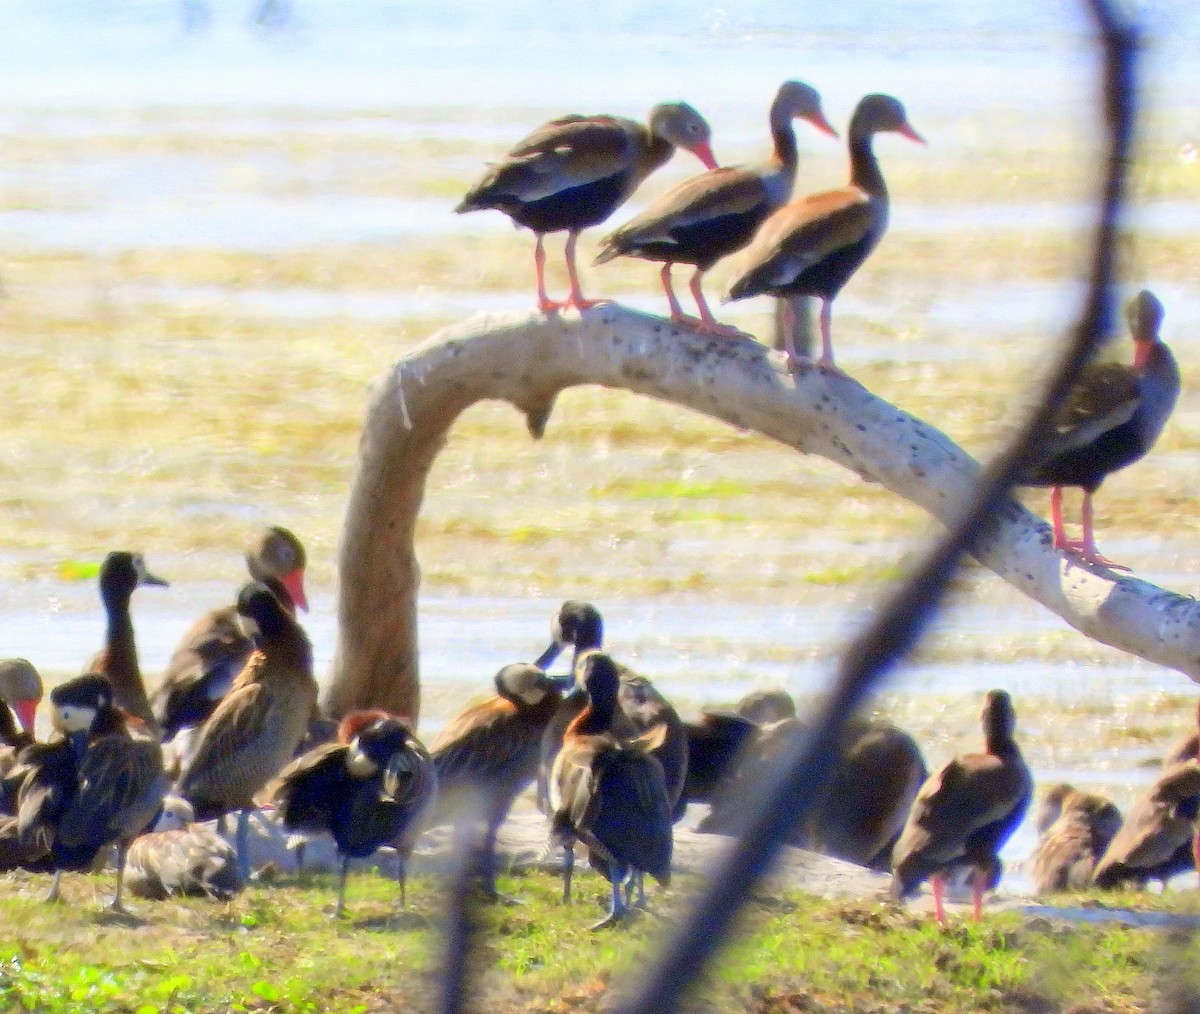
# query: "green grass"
[275,948]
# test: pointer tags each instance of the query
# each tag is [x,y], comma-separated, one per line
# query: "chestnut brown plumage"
[575,171]
[489,752]
[610,793]
[1111,419]
[120,573]
[641,706]
[179,857]
[257,726]
[214,649]
[813,245]
[92,786]
[369,790]
[715,214]
[965,813]
[1075,828]
[1156,840]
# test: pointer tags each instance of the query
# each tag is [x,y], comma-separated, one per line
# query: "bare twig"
[909,608]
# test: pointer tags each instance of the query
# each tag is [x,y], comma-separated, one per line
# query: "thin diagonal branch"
[910,607]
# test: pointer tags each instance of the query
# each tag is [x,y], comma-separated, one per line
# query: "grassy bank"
[275,948]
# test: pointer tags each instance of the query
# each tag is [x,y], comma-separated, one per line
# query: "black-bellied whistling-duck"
[713,215]
[369,789]
[862,810]
[20,692]
[257,726]
[640,704]
[811,246]
[965,813]
[489,752]
[94,786]
[1112,417]
[179,857]
[575,171]
[1156,841]
[610,793]
[214,649]
[1075,829]
[120,574]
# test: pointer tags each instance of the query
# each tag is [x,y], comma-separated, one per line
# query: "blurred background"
[221,221]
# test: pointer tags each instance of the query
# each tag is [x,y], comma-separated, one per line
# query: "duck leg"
[340,908]
[243,843]
[55,895]
[978,882]
[402,878]
[794,359]
[618,909]
[1056,520]
[708,323]
[116,905]
[826,360]
[568,870]
[545,303]
[938,882]
[1087,549]
[576,298]
[677,313]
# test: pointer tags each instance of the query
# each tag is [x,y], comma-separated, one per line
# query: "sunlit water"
[75,68]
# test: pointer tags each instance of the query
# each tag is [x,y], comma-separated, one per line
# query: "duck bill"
[823,125]
[294,583]
[155,581]
[563,684]
[26,713]
[703,151]
[905,130]
[396,779]
[546,659]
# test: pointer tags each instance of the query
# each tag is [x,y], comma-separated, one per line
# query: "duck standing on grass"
[489,752]
[641,707]
[610,794]
[575,171]
[258,725]
[93,786]
[214,649]
[1075,829]
[369,789]
[812,246]
[717,213]
[1158,837]
[179,857]
[120,574]
[965,812]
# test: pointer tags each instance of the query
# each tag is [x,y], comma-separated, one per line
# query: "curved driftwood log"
[527,360]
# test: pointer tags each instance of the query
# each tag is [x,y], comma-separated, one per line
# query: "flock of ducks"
[613,765]
[233,726]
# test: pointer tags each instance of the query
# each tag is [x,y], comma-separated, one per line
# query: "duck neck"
[783,133]
[864,167]
[119,639]
[595,719]
[10,735]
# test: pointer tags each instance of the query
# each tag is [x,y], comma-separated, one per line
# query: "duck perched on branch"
[717,213]
[575,171]
[1111,419]
[812,246]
